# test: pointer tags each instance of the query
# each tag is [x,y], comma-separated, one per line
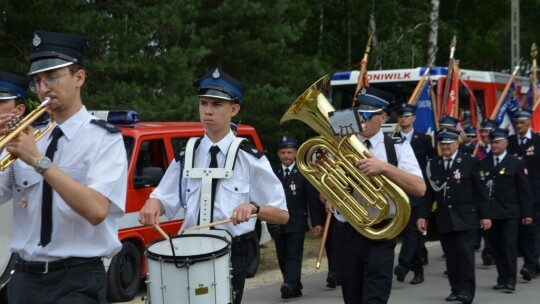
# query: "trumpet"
[20,126]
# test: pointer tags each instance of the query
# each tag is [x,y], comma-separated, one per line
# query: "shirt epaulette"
[105,125]
[397,139]
[250,149]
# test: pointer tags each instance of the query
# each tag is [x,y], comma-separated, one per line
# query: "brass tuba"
[20,126]
[337,175]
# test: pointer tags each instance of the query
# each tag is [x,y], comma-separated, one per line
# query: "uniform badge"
[292,186]
[503,170]
[216,74]
[457,175]
[23,202]
[458,160]
[36,41]
[482,176]
[529,151]
[525,171]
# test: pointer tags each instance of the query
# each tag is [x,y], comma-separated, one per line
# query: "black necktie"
[448,164]
[287,171]
[522,140]
[214,150]
[46,206]
[367,143]
[496,161]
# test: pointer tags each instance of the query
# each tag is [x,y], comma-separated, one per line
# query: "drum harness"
[206,175]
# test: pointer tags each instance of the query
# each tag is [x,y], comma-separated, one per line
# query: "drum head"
[193,247]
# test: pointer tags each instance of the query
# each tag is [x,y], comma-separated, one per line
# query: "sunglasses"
[368,115]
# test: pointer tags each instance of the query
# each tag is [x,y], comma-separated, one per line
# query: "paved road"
[433,290]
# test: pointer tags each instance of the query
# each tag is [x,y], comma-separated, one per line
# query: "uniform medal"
[293,188]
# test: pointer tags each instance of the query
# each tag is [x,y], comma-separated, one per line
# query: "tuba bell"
[352,193]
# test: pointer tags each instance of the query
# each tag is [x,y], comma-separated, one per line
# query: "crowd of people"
[485,188]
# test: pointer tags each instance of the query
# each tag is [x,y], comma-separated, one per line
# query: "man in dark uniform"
[413,248]
[302,198]
[470,141]
[462,207]
[510,195]
[526,145]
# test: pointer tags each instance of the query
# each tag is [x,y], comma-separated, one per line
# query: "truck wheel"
[123,277]
[253,255]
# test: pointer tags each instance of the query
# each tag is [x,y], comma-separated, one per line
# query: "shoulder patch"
[105,125]
[250,149]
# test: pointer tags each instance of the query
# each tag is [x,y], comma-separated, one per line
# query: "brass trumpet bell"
[21,126]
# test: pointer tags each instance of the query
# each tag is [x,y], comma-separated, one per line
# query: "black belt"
[45,267]
[241,238]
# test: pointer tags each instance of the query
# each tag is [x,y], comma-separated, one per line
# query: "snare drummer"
[253,189]
[62,235]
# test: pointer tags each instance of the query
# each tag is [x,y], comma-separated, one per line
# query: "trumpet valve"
[13,122]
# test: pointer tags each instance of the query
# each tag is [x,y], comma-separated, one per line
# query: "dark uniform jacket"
[463,200]
[530,152]
[302,198]
[510,193]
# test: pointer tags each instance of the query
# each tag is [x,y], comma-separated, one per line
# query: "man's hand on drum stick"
[243,213]
[150,212]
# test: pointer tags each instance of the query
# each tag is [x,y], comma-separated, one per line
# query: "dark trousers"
[240,263]
[503,236]
[529,242]
[82,284]
[459,249]
[365,267]
[412,246]
[289,250]
[332,247]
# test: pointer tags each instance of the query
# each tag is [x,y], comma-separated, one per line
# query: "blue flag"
[425,119]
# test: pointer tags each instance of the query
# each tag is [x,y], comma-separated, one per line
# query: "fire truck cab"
[483,86]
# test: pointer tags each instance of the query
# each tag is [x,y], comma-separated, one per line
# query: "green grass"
[268,252]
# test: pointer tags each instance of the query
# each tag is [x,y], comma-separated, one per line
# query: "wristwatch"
[42,164]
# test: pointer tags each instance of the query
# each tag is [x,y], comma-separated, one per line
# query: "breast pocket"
[237,191]
[192,191]
[25,179]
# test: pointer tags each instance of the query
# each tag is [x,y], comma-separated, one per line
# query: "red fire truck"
[486,88]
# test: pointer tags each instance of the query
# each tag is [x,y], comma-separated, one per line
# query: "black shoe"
[526,274]
[463,299]
[476,247]
[424,261]
[418,278]
[289,292]
[509,288]
[445,272]
[487,260]
[400,272]
[332,281]
[451,297]
[498,287]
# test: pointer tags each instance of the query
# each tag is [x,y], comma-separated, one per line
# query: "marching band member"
[365,265]
[253,188]
[510,195]
[462,207]
[413,251]
[526,145]
[68,189]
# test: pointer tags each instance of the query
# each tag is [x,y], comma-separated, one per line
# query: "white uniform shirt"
[405,157]
[253,181]
[90,155]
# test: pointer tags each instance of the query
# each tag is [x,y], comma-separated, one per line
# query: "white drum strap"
[208,174]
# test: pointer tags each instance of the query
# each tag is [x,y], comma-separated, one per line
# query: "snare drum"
[7,259]
[197,272]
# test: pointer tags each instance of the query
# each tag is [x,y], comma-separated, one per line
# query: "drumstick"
[163,234]
[323,239]
[215,223]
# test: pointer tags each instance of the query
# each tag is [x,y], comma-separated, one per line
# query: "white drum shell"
[6,220]
[203,278]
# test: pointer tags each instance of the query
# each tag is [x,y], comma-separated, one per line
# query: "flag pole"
[536,100]
[448,76]
[362,76]
[503,95]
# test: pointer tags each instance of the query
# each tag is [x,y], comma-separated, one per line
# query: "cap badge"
[36,41]
[216,74]
[284,138]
